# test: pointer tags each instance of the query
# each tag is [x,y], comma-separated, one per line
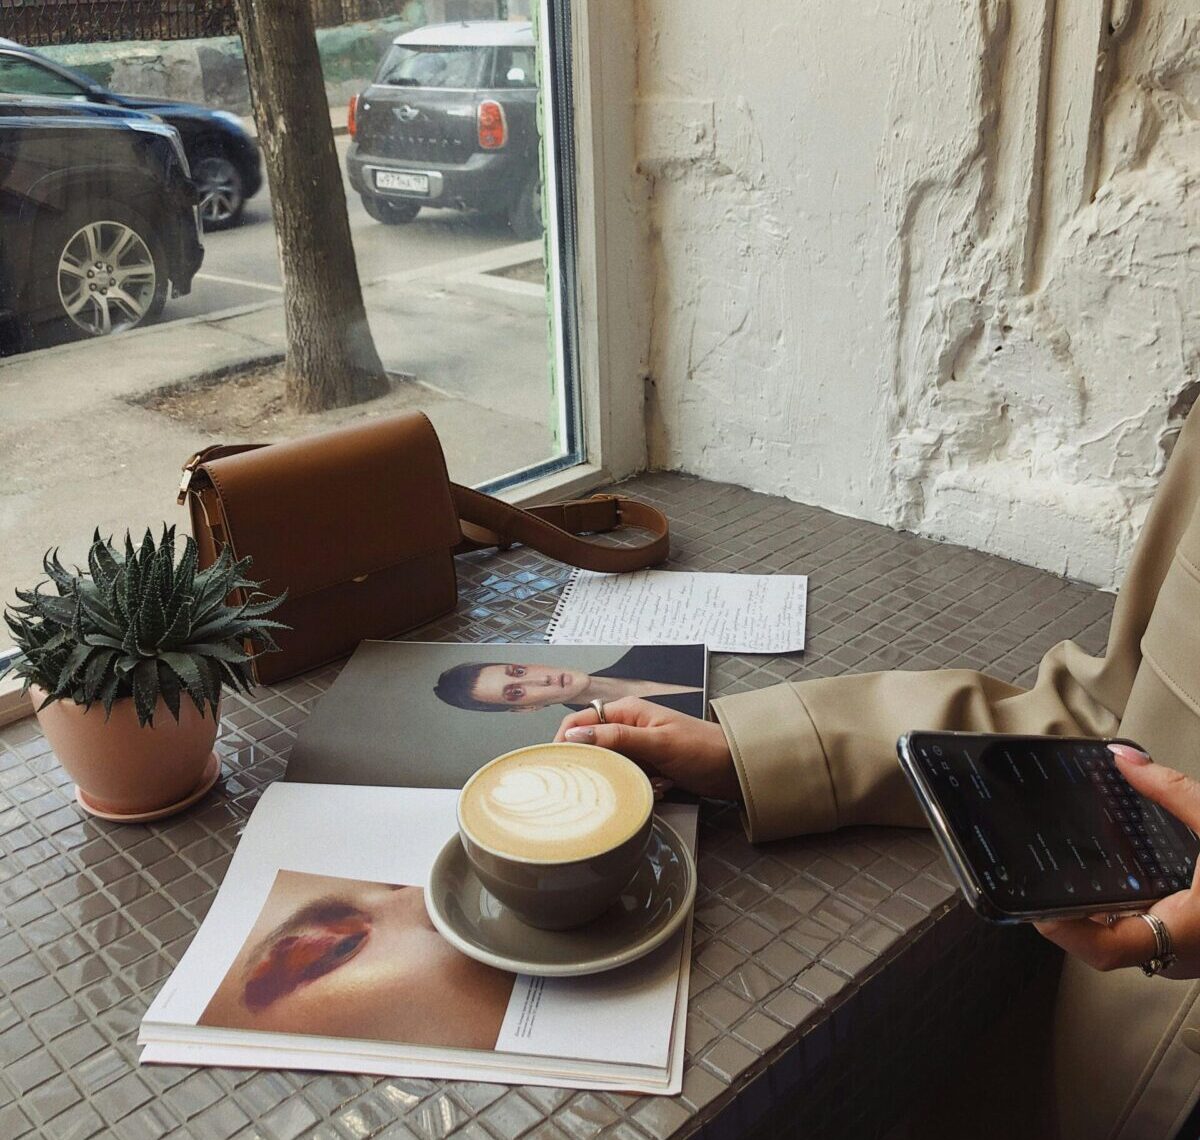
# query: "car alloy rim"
[220,194]
[106,277]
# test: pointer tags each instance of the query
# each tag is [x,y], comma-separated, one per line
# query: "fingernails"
[583,735]
[1128,754]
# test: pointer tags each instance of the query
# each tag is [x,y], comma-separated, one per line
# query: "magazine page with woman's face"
[421,714]
[330,956]
[318,952]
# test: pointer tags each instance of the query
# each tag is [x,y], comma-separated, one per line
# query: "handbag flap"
[330,508]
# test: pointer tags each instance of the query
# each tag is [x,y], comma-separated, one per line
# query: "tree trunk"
[331,357]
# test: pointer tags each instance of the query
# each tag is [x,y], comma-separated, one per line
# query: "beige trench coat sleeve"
[821,754]
[817,755]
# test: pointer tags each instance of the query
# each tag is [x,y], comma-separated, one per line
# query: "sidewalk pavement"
[80,454]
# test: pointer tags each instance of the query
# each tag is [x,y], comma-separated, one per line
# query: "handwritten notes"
[731,613]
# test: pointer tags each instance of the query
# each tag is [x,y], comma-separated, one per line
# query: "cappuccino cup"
[556,831]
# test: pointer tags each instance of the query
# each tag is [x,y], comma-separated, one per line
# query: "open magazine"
[318,953]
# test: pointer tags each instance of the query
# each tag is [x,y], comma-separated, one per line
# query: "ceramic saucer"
[651,909]
[212,771]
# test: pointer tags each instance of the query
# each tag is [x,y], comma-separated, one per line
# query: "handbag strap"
[554,529]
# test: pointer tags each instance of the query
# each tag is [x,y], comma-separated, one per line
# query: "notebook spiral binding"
[561,605]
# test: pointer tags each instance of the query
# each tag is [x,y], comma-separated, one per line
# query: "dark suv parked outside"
[451,120]
[98,219]
[222,154]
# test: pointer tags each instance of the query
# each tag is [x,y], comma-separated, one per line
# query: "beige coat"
[816,755]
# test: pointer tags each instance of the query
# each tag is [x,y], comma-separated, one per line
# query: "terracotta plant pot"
[124,771]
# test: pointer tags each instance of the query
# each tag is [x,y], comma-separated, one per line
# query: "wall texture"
[936,265]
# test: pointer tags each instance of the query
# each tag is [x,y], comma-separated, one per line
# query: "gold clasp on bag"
[189,469]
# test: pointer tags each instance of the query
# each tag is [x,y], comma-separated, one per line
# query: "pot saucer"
[212,772]
[649,911]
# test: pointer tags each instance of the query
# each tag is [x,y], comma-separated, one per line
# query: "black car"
[451,120]
[224,157]
[98,218]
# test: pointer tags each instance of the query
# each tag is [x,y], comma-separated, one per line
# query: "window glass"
[139,325]
[25,77]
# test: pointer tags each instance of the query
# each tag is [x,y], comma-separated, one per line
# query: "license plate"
[394,180]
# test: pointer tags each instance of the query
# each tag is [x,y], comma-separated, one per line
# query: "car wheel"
[525,217]
[392,212]
[222,198]
[108,270]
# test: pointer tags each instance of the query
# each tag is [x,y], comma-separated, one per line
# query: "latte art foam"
[550,801]
[556,801]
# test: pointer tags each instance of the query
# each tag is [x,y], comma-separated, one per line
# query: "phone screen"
[1048,823]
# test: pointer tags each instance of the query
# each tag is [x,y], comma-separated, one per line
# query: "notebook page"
[730,613]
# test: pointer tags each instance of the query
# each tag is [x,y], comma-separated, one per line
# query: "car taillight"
[352,117]
[493,129]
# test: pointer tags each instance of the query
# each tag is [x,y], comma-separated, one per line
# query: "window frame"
[613,293]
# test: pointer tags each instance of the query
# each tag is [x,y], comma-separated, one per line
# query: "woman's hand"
[692,753]
[1130,941]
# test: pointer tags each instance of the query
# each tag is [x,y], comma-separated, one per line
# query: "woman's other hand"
[691,753]
[1130,941]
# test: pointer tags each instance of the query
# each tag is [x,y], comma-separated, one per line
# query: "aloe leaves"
[138,624]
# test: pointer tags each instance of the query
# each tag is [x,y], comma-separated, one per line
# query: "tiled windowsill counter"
[831,974]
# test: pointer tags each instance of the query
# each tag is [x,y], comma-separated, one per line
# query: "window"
[132,340]
[25,77]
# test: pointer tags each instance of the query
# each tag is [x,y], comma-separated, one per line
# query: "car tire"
[525,216]
[127,246]
[222,192]
[390,211]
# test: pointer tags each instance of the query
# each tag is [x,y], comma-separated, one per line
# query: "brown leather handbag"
[361,524]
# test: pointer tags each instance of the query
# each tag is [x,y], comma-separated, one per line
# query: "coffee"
[555,802]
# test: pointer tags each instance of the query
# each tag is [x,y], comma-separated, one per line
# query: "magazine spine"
[563,599]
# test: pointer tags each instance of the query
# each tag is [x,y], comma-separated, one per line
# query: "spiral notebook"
[730,613]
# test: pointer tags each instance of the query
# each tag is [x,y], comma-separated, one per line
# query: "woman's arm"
[817,755]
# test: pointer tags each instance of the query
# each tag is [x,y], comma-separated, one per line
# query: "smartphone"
[1045,826]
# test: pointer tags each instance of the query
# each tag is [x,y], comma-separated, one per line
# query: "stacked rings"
[1164,954]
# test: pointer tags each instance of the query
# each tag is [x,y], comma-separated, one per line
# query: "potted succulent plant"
[126,661]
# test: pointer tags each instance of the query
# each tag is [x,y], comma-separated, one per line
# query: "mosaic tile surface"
[827,971]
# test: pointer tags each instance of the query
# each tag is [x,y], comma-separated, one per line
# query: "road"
[241,265]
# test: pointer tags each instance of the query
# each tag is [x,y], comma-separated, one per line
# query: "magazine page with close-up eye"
[428,714]
[319,953]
